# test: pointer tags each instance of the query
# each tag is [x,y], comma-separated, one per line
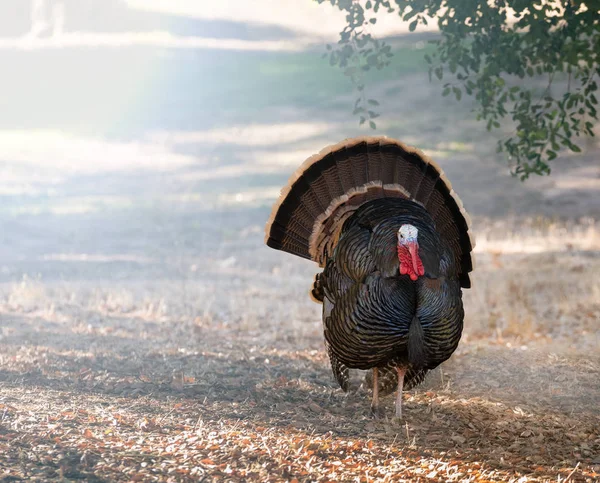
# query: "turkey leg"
[375,401]
[401,373]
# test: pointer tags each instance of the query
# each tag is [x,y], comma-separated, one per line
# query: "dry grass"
[537,281]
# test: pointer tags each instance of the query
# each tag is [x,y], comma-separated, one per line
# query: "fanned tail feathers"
[329,187]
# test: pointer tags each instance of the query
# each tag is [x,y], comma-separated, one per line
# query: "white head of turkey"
[394,242]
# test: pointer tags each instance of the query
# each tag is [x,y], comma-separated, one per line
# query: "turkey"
[394,242]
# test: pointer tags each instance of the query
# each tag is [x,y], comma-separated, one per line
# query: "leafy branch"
[358,51]
[487,50]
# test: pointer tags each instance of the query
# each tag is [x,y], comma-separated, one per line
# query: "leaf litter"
[221,414]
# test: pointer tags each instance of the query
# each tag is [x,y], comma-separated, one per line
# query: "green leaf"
[413,25]
[372,59]
[373,102]
[410,15]
[372,125]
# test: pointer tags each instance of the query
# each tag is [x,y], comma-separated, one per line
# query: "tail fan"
[328,187]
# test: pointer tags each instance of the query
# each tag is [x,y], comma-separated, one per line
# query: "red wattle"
[410,262]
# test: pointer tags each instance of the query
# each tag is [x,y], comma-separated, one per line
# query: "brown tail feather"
[374,162]
[427,185]
[344,166]
[324,192]
[359,161]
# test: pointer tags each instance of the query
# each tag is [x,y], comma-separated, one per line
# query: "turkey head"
[408,252]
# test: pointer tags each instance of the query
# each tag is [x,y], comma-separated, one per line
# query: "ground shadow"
[291,393]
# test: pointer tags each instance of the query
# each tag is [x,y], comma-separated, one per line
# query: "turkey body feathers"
[378,316]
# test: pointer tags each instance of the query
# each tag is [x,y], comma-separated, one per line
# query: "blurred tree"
[485,50]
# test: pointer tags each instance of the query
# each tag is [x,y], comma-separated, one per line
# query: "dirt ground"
[147,334]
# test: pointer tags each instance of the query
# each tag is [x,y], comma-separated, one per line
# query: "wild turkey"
[394,240]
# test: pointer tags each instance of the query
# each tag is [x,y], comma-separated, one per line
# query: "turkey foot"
[401,373]
[375,409]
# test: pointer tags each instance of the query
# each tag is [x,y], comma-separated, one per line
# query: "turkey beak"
[413,249]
